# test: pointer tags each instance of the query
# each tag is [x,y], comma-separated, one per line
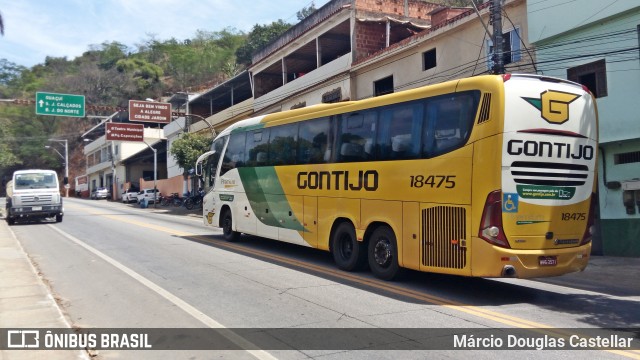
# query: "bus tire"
[348,253]
[226,222]
[383,254]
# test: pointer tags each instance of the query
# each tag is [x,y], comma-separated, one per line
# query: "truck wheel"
[58,218]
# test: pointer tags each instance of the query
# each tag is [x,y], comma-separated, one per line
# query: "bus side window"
[313,141]
[449,122]
[399,132]
[257,149]
[357,137]
[234,155]
[282,144]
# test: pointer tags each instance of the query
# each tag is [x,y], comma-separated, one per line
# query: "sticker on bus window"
[510,202]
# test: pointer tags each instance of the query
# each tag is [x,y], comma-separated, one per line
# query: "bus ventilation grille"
[549,174]
[485,108]
[443,236]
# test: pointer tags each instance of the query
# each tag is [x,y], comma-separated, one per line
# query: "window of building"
[592,75]
[429,59]
[510,48]
[626,158]
[383,86]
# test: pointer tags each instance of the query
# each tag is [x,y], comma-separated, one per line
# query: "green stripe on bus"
[265,192]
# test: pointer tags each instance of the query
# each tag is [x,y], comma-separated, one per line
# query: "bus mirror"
[201,158]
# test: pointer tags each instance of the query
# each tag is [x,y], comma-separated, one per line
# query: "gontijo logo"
[553,105]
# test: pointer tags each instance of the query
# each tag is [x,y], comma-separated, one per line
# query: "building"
[596,44]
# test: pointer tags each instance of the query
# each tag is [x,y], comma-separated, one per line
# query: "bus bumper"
[492,261]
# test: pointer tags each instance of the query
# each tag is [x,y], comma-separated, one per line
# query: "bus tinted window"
[313,141]
[449,122]
[234,155]
[257,150]
[282,145]
[399,131]
[357,136]
[211,164]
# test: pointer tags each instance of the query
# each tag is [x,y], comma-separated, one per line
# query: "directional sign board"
[125,132]
[59,104]
[149,111]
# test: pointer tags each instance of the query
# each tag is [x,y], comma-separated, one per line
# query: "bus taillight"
[491,225]
[590,230]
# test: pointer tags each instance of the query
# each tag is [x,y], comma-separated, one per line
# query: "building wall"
[567,35]
[461,50]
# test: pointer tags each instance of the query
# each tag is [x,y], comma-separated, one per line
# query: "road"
[115,266]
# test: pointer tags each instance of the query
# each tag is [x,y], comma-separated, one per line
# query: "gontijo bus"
[489,176]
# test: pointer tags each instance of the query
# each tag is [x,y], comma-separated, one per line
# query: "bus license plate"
[548,260]
[36,208]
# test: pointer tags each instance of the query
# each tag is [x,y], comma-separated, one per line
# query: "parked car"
[130,196]
[148,194]
[100,193]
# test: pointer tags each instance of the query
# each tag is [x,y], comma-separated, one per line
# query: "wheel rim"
[345,247]
[382,252]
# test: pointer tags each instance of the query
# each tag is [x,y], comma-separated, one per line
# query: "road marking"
[186,307]
[386,286]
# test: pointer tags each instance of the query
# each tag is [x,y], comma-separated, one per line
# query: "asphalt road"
[116,266]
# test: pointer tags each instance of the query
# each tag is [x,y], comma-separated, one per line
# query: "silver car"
[100,193]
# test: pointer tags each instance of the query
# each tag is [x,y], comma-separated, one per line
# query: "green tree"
[258,38]
[188,148]
[306,11]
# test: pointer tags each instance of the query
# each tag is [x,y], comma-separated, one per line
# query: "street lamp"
[66,162]
[213,132]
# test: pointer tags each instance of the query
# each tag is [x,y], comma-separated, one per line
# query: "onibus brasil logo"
[553,105]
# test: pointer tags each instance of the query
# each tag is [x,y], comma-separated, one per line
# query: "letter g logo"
[553,105]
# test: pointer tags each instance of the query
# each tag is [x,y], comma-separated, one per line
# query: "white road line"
[186,307]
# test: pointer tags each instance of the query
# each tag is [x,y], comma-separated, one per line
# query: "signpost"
[149,111]
[125,132]
[59,104]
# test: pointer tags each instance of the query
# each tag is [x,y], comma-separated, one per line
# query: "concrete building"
[596,44]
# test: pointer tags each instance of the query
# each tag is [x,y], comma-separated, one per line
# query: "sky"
[35,29]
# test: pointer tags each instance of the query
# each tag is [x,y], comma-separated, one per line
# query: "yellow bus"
[489,176]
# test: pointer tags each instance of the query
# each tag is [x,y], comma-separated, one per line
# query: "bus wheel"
[383,254]
[227,229]
[348,252]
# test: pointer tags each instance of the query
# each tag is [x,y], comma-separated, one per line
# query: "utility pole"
[496,19]
[64,157]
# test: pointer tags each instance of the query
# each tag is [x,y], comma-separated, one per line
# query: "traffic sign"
[149,111]
[59,104]
[125,132]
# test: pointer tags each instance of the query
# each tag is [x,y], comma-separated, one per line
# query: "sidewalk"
[25,301]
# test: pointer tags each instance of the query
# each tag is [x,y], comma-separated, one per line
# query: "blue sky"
[35,29]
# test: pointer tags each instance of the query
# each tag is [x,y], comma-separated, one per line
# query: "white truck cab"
[34,194]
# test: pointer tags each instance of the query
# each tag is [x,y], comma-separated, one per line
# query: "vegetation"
[109,75]
[188,148]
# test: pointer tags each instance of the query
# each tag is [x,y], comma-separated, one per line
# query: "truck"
[33,194]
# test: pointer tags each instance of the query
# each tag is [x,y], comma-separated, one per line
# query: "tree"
[306,11]
[188,148]
[259,37]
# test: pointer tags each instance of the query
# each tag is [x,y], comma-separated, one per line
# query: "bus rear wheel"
[383,254]
[348,253]
[226,222]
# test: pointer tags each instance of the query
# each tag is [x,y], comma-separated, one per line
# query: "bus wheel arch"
[382,252]
[348,253]
[226,223]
